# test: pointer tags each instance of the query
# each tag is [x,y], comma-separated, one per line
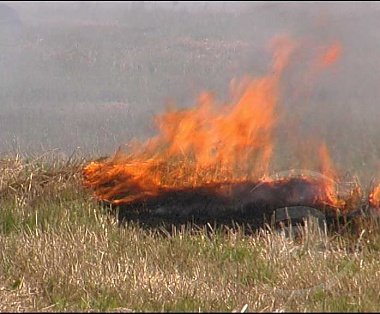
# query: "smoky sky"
[90,76]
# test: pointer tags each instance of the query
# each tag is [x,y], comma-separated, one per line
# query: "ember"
[214,159]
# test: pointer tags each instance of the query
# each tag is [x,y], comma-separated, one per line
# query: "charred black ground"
[248,203]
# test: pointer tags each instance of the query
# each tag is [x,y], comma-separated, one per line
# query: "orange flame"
[328,170]
[374,197]
[212,142]
[331,56]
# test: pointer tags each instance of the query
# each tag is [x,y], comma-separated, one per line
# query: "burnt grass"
[248,204]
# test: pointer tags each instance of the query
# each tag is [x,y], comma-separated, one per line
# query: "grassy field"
[78,80]
[61,251]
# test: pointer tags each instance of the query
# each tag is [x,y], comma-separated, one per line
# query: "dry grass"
[60,251]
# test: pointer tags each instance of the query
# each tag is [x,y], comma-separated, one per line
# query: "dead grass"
[60,251]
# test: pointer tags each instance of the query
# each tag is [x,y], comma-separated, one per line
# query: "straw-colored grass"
[61,251]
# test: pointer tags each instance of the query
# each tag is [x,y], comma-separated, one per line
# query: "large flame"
[210,143]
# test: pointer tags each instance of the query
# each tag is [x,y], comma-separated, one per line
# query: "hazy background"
[86,77]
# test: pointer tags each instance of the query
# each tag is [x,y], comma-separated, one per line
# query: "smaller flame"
[374,197]
[328,170]
[331,56]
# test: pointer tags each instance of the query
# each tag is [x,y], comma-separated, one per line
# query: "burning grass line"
[214,143]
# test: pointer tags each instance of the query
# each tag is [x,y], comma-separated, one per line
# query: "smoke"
[94,74]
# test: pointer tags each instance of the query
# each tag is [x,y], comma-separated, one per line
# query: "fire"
[331,55]
[329,171]
[209,144]
[374,198]
[374,202]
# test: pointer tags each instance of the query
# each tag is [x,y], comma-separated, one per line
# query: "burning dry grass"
[201,152]
[213,142]
[62,252]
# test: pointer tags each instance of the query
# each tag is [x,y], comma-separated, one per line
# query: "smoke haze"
[90,76]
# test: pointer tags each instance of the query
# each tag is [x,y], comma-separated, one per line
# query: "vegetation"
[62,251]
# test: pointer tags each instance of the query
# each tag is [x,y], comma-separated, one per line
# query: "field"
[78,80]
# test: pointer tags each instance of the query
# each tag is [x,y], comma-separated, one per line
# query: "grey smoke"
[93,74]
